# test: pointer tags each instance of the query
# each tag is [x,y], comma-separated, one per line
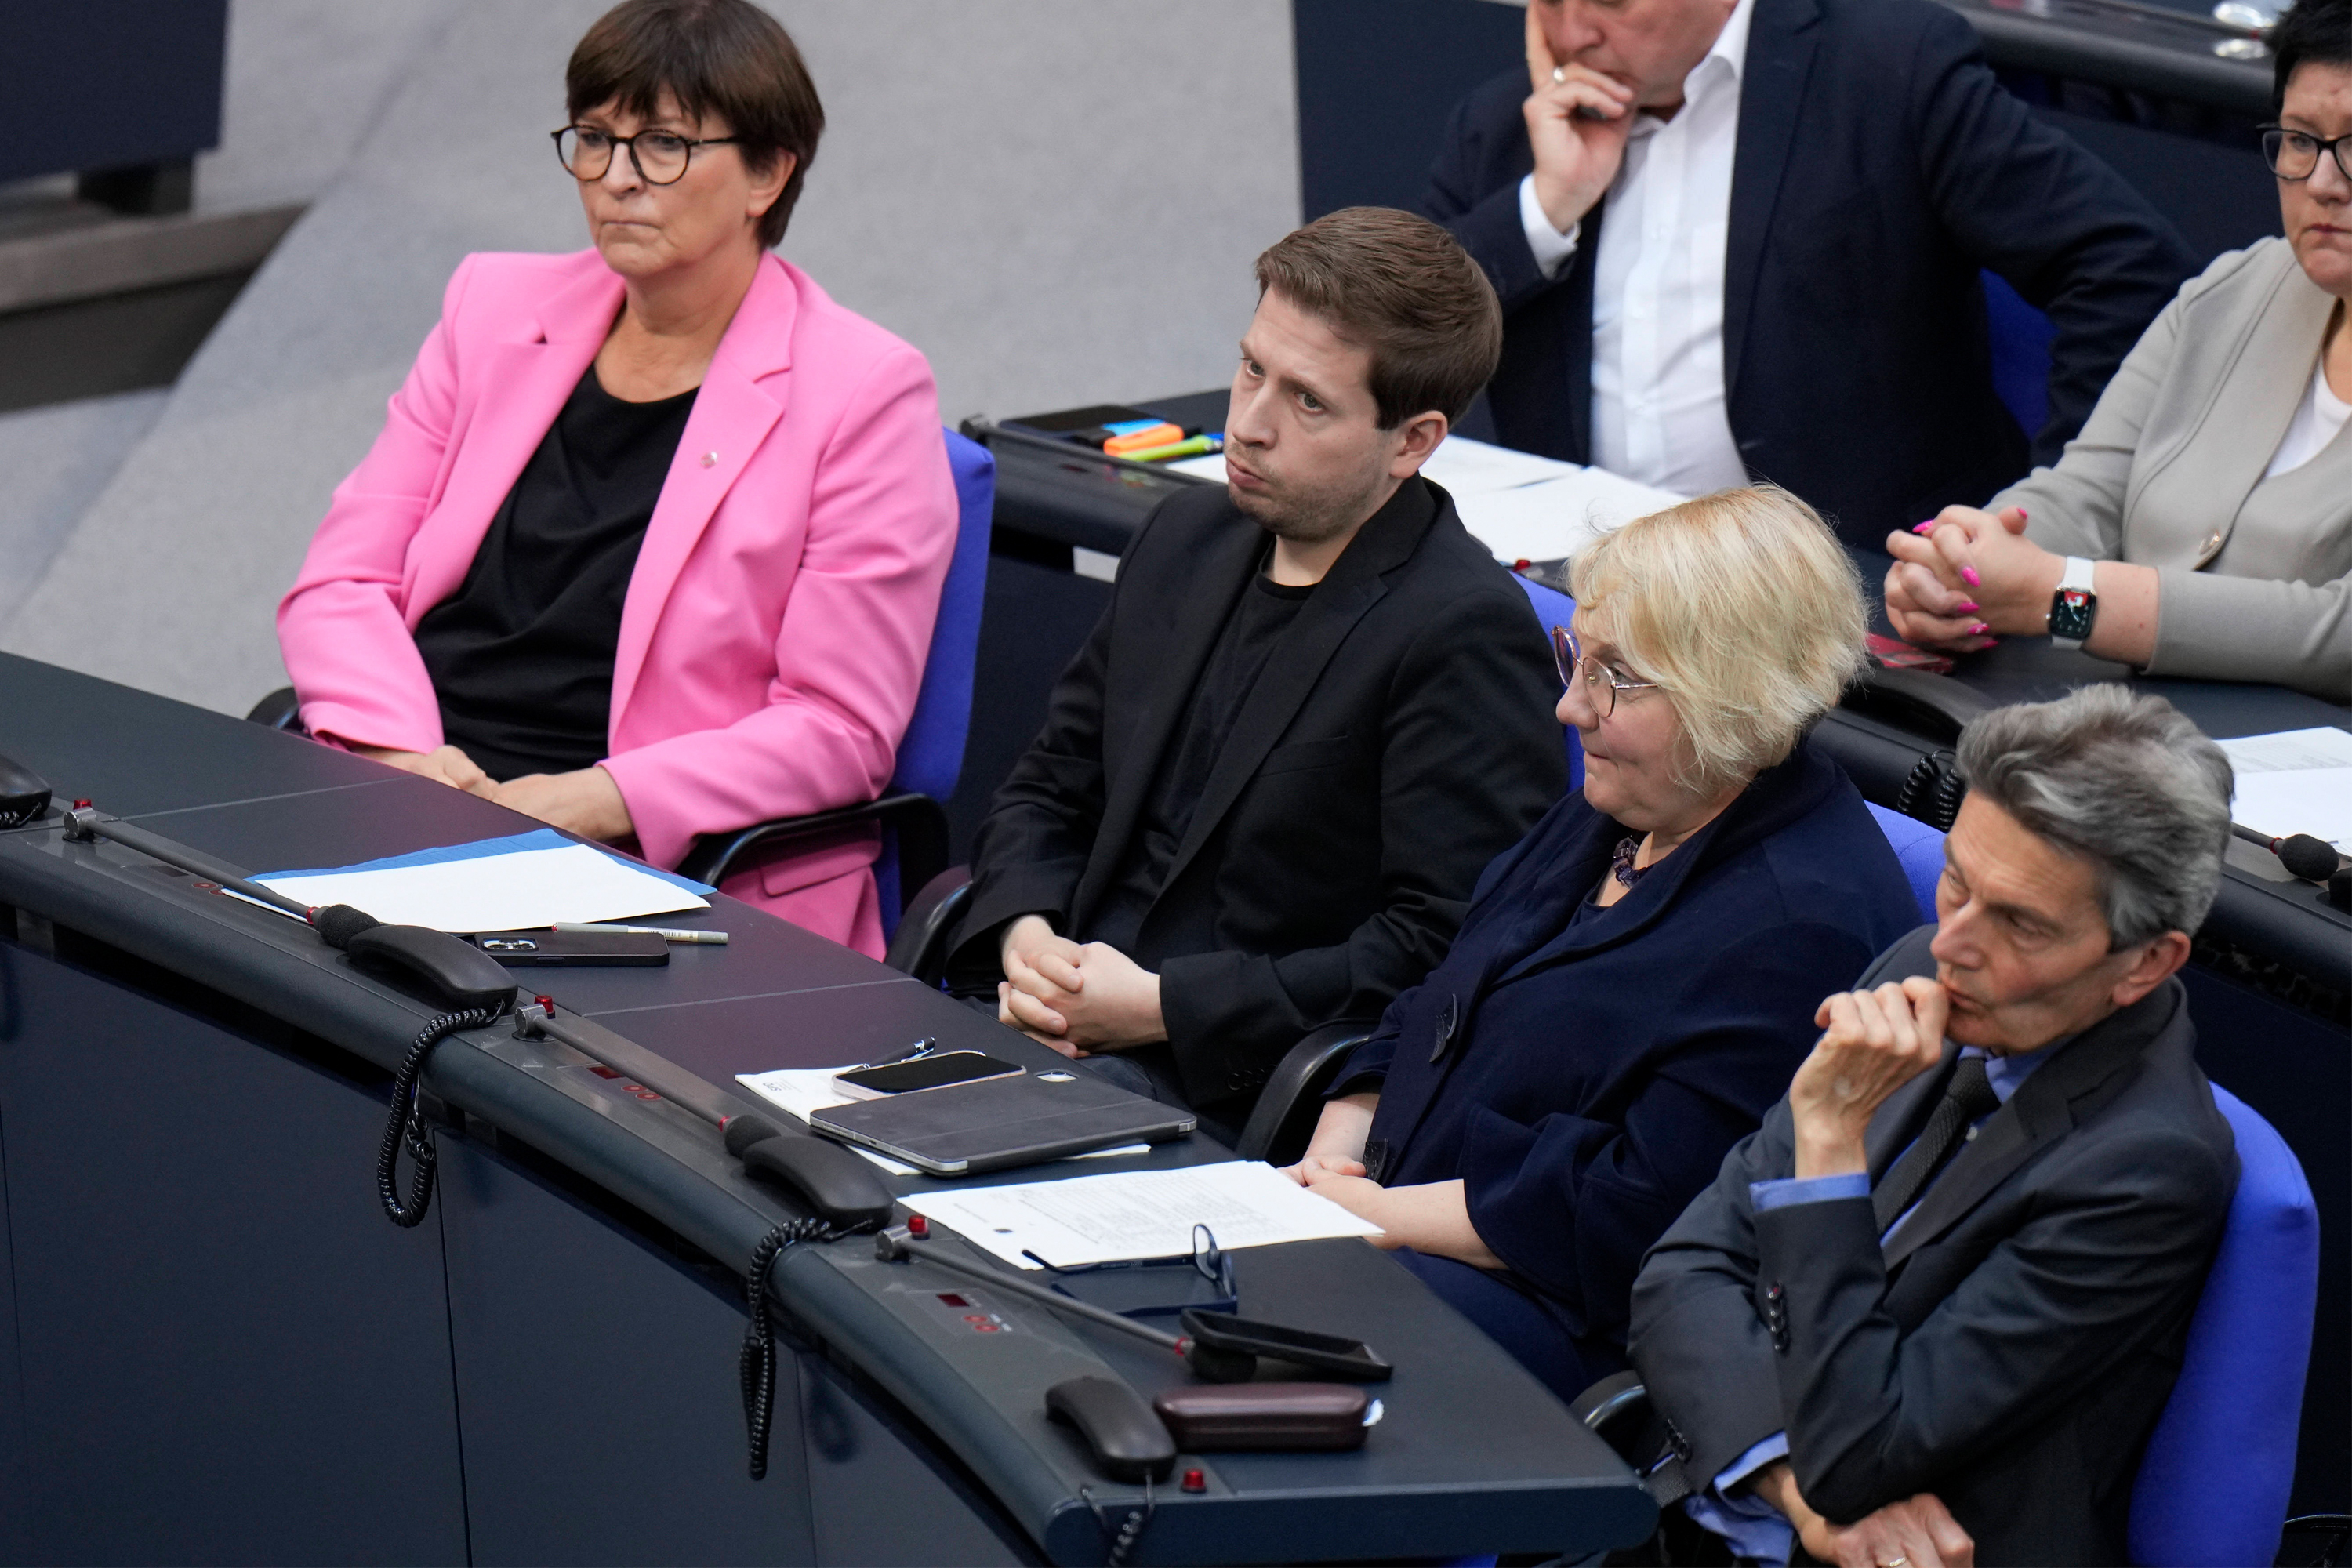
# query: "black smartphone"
[924,1072]
[1328,1353]
[573,949]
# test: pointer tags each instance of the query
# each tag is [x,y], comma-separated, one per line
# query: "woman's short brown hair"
[726,59]
[1403,289]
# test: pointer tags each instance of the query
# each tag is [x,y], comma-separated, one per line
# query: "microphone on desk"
[2311,859]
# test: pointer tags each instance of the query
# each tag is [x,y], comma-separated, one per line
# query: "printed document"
[518,883]
[1519,505]
[2296,781]
[1137,1214]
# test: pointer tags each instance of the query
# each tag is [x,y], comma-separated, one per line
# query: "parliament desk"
[218,1349]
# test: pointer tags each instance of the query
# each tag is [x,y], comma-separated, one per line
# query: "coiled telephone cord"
[757,1361]
[407,1124]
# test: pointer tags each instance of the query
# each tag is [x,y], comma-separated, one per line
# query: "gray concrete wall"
[1056,200]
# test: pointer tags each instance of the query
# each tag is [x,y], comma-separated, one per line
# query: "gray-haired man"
[1931,1313]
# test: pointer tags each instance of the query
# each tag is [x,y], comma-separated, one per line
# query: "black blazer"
[1880,167]
[2010,1350]
[1585,1080]
[1401,737]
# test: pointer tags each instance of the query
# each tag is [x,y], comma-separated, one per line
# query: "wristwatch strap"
[2074,605]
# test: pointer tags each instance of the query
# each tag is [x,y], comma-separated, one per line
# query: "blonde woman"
[1631,987]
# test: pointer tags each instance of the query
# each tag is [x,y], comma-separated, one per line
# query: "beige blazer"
[2168,473]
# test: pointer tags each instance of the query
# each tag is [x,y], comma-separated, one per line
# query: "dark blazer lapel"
[1132,754]
[1353,586]
[1779,797]
[2040,1112]
[1771,87]
[1898,1121]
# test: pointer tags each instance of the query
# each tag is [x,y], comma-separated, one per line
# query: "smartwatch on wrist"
[2074,606]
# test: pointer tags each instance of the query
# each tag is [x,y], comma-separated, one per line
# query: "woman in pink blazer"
[653,538]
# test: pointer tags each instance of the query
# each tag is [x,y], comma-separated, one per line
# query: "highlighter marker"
[1160,434]
[1198,446]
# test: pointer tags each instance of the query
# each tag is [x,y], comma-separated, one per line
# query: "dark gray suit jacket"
[2011,1347]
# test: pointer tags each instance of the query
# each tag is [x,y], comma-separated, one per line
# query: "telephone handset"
[834,1181]
[458,974]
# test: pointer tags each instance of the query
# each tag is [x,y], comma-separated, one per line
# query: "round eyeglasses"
[2293,155]
[660,157]
[1601,684]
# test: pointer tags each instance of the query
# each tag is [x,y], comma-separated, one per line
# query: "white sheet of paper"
[1560,516]
[497,892]
[1520,506]
[2287,801]
[799,1091]
[2290,749]
[1465,468]
[1137,1214]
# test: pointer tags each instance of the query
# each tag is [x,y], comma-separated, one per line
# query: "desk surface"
[1473,1454]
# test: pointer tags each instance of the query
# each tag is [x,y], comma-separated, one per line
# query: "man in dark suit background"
[1313,711]
[1931,1313]
[1742,241]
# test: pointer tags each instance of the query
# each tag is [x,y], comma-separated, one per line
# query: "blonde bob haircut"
[1746,613]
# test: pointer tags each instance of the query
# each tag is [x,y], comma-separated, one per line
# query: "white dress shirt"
[2317,420]
[1658,408]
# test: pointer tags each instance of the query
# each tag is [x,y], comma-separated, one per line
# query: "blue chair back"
[2214,1484]
[931,754]
[2020,338]
[1919,847]
[1554,609]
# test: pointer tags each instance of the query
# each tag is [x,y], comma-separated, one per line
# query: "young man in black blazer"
[1785,205]
[1313,711]
[1929,1314]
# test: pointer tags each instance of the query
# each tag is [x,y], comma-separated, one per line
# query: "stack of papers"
[2297,781]
[799,1091]
[515,883]
[1137,1214]
[1520,506]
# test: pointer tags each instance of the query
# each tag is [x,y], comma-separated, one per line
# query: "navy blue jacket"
[1597,1072]
[1880,168]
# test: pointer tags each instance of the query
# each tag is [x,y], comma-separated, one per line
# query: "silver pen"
[667,933]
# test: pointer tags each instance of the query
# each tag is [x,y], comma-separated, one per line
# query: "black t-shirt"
[521,654]
[1259,617]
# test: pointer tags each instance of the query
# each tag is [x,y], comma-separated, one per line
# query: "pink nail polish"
[1977,628]
[2020,514]
[1926,527]
[1965,606]
[1969,575]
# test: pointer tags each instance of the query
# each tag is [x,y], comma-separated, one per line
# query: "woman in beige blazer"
[2207,505]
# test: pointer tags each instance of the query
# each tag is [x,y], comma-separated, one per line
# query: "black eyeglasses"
[2293,155]
[660,157]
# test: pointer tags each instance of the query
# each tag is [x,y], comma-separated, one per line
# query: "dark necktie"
[1967,1097]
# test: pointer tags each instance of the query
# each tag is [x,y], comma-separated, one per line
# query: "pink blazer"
[776,624]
